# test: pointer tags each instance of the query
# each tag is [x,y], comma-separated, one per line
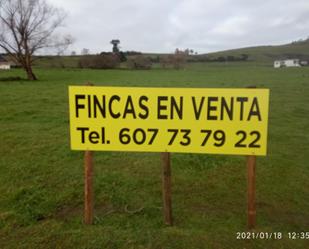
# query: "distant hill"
[259,54]
[299,49]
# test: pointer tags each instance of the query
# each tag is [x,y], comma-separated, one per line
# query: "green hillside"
[298,49]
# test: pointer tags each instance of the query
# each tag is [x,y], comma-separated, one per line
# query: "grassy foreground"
[41,179]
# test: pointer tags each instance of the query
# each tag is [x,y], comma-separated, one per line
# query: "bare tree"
[27,26]
[63,44]
[85,51]
[179,58]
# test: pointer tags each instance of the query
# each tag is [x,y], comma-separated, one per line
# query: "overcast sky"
[201,25]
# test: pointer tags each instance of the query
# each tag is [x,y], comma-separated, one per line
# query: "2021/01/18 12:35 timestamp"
[272,235]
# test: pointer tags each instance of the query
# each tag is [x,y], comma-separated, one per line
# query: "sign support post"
[88,188]
[167,188]
[251,163]
[88,212]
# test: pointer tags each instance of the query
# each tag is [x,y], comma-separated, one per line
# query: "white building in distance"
[287,63]
[4,64]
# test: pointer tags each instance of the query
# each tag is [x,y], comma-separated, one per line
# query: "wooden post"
[88,188]
[88,214]
[251,163]
[167,188]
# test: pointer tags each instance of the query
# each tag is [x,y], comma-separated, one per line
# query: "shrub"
[139,62]
[85,61]
[109,61]
[102,61]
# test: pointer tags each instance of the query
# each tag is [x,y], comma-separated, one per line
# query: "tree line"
[132,60]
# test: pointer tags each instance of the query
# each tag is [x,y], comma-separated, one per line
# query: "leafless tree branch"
[27,26]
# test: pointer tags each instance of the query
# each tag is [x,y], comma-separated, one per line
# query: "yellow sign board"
[192,120]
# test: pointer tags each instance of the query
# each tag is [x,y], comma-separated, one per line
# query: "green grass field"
[41,179]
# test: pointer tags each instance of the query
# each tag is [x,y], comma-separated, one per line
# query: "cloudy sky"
[201,25]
